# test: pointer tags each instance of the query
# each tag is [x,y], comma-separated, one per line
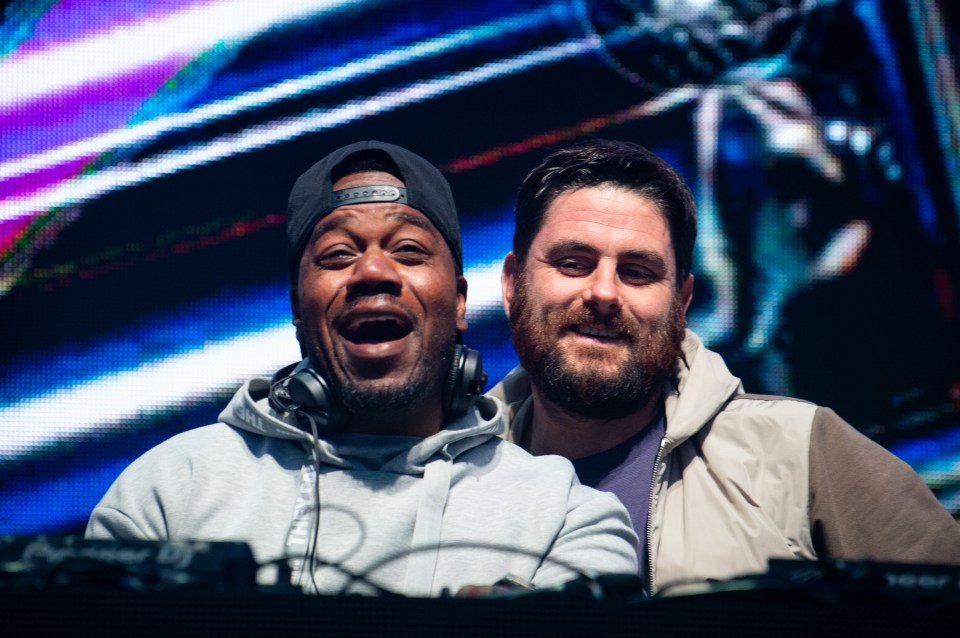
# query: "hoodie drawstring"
[303,531]
[425,544]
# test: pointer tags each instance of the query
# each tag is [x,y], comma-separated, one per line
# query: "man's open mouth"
[376,329]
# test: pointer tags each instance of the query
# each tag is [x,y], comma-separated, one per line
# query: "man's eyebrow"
[416,220]
[576,246]
[569,246]
[324,226]
[655,260]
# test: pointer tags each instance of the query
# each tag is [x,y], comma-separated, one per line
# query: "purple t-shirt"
[627,471]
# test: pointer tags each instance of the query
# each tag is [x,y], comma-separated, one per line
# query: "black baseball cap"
[426,189]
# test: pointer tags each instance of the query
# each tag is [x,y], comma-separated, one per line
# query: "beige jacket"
[744,478]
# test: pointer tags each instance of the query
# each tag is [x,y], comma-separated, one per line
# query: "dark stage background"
[147,148]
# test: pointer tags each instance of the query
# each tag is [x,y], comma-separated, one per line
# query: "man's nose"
[374,271]
[602,293]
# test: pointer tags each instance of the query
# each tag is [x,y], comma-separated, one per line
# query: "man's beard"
[365,399]
[654,350]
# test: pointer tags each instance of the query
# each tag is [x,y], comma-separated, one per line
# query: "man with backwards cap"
[375,456]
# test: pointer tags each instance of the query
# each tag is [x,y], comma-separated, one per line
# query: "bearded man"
[717,481]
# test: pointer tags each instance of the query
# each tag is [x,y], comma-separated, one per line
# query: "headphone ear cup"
[306,391]
[450,386]
[465,382]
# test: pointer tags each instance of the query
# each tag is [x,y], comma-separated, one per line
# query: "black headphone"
[307,392]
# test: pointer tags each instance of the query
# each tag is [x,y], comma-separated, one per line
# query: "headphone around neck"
[306,392]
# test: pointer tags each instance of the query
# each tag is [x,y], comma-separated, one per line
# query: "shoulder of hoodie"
[515,456]
[494,408]
[780,411]
[205,444]
[771,409]
[771,420]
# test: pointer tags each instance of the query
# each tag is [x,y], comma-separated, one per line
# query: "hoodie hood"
[250,410]
[702,387]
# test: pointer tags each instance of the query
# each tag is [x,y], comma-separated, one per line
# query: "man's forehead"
[615,207]
[597,194]
[398,214]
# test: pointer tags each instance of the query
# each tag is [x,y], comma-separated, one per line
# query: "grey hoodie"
[409,515]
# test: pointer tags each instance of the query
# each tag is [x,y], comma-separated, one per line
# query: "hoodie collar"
[702,387]
[250,410]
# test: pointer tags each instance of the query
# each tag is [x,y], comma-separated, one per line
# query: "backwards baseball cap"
[426,189]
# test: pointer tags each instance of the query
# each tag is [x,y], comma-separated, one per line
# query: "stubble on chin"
[376,398]
[371,394]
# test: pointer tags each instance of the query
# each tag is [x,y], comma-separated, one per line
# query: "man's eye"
[636,275]
[411,251]
[333,258]
[571,267]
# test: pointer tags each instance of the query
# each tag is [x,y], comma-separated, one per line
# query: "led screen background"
[147,148]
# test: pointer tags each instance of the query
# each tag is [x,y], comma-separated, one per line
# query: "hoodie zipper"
[651,570]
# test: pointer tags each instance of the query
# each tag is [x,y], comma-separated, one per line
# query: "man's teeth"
[597,332]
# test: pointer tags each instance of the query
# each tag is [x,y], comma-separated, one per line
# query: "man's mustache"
[583,316]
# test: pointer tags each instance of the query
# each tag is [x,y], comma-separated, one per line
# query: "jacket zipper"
[651,570]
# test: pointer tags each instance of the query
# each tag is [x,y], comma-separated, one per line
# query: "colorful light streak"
[117,400]
[940,68]
[120,258]
[660,104]
[32,75]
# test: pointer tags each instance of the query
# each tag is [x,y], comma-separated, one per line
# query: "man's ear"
[461,304]
[686,293]
[508,280]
